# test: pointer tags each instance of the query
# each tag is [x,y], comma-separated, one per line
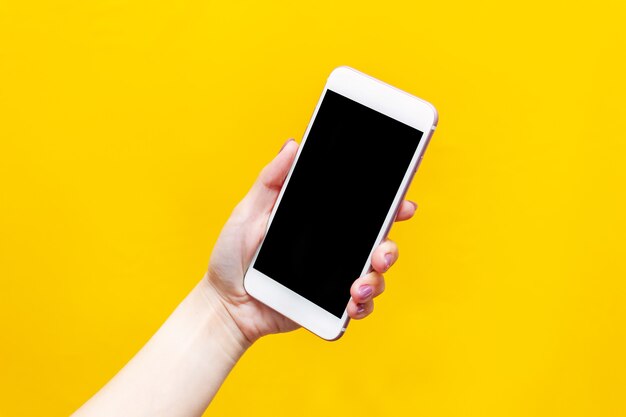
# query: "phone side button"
[419,161]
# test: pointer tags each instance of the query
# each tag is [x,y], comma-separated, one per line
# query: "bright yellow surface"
[129,130]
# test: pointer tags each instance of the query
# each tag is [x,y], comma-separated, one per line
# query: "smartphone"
[352,170]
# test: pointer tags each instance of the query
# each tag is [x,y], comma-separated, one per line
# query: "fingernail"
[388,260]
[360,308]
[365,291]
[285,144]
[414,204]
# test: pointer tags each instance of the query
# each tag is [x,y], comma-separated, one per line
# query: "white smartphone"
[352,170]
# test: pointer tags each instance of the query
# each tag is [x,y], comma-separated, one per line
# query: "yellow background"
[129,130]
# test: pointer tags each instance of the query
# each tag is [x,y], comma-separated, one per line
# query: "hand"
[241,236]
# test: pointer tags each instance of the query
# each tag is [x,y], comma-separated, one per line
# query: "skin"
[180,369]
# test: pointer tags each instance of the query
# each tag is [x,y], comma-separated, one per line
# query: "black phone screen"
[341,189]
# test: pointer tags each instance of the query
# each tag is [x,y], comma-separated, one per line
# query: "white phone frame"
[387,100]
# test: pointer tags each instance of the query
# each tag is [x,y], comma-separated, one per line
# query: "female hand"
[243,233]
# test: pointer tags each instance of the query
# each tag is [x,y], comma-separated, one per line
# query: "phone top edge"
[432,108]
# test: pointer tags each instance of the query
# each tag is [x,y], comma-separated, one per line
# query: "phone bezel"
[387,100]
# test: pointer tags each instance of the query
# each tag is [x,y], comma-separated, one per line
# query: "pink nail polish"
[360,308]
[365,291]
[388,260]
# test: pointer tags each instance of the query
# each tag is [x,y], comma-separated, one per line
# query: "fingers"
[367,287]
[385,255]
[363,291]
[265,190]
[358,311]
[406,211]
[273,175]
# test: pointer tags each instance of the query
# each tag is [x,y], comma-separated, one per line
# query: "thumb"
[264,192]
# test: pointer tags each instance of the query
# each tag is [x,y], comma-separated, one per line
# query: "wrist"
[235,341]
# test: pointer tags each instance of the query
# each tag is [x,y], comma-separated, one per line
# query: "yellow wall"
[129,130]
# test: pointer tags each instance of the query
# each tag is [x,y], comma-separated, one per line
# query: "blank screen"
[341,189]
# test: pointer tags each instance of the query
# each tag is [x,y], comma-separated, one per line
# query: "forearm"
[178,372]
